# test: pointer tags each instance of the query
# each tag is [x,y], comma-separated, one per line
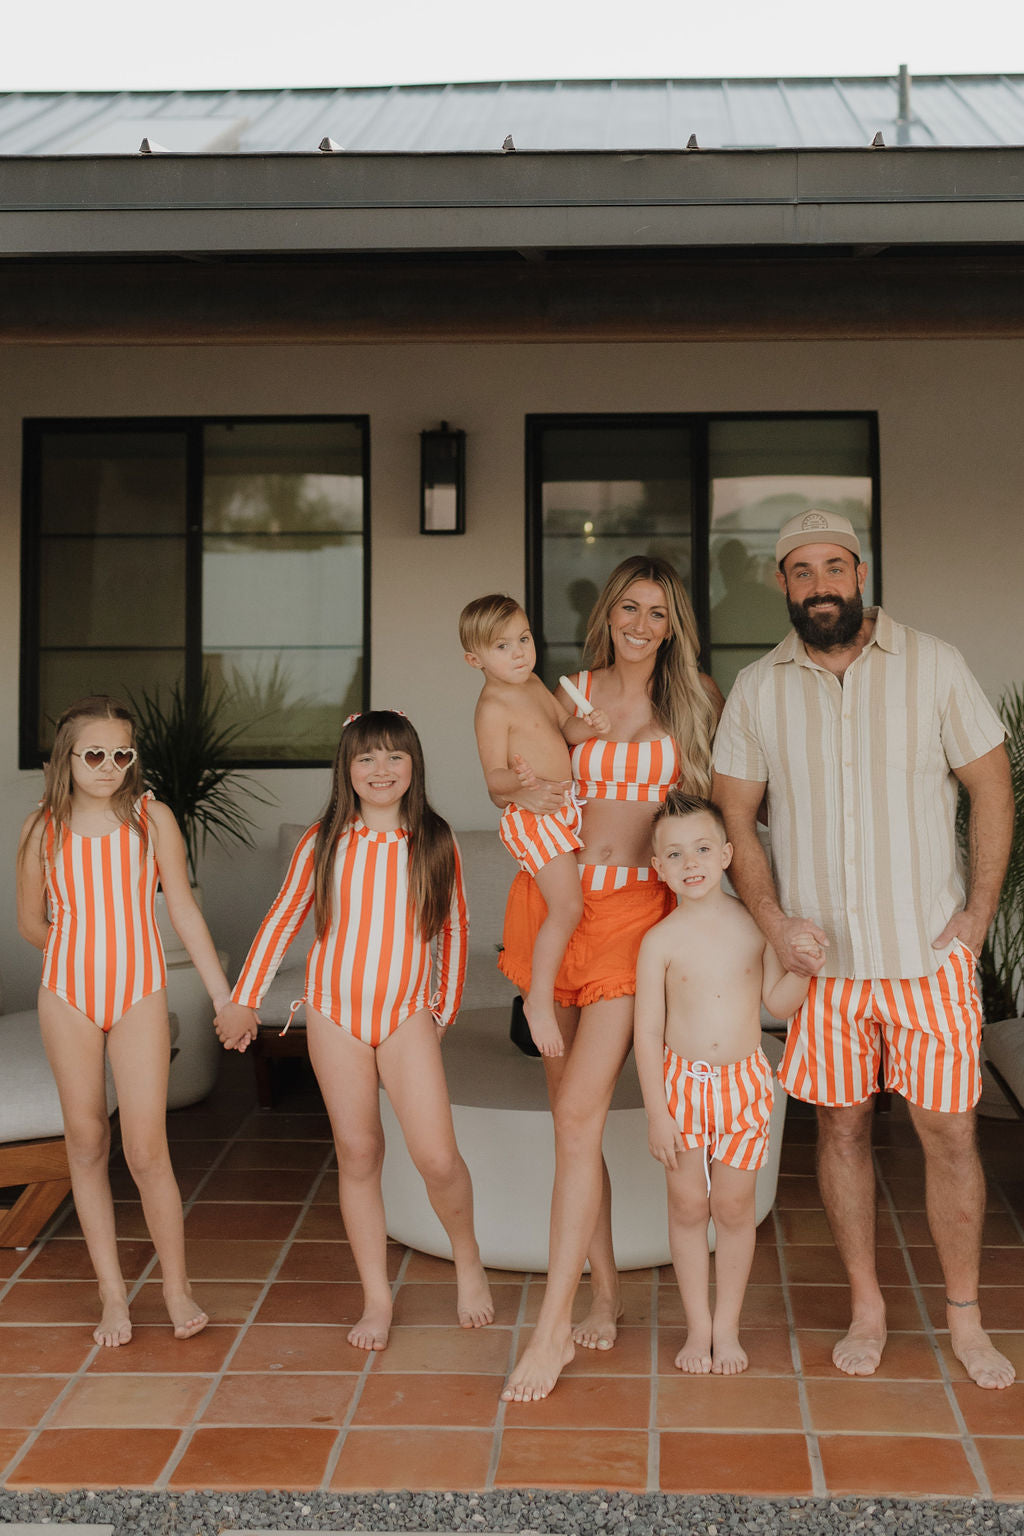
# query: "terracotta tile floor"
[271,1395]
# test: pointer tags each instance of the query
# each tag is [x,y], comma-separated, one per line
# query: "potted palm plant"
[1001,963]
[185,751]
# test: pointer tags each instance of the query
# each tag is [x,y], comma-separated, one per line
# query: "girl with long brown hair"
[382,873]
[88,864]
[642,652]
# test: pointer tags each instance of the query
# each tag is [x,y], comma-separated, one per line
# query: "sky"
[222,44]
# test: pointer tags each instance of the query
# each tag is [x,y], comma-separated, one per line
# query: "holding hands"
[800,946]
[236,1026]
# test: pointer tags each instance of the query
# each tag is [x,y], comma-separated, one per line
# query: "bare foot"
[473,1296]
[599,1329]
[186,1315]
[544,1031]
[977,1354]
[115,1326]
[695,1356]
[859,1352]
[728,1356]
[373,1328]
[537,1370]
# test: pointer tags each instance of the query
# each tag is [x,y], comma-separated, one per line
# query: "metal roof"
[792,113]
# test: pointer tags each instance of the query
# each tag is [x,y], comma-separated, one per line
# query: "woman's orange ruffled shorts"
[619,906]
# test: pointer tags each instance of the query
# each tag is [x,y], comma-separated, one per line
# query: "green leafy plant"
[1001,965]
[185,752]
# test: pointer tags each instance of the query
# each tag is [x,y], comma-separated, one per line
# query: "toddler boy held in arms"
[702,974]
[521,734]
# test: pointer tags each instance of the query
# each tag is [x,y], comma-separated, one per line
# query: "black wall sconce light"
[443,481]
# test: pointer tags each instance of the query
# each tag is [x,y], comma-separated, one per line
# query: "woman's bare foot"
[695,1356]
[859,1351]
[977,1354]
[115,1326]
[473,1302]
[728,1357]
[544,1031]
[599,1329]
[373,1328]
[538,1369]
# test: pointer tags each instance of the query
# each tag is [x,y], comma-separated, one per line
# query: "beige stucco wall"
[952,462]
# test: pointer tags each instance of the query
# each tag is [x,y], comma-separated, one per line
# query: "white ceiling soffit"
[177,135]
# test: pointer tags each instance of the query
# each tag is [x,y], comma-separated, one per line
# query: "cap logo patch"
[813,520]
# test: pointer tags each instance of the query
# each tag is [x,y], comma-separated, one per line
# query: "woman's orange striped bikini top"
[623,770]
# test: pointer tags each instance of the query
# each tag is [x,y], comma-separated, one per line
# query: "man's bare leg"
[846,1177]
[955,1201]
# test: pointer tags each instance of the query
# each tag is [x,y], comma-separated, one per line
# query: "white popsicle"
[579,699]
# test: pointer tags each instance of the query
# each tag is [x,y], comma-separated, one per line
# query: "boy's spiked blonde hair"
[678,803]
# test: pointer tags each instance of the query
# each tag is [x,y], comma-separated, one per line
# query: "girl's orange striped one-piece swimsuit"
[103,953]
[371,970]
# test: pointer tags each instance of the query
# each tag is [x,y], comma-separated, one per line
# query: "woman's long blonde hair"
[680,702]
[56,800]
[431,844]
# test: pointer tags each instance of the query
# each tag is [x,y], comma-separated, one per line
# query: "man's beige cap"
[816,527]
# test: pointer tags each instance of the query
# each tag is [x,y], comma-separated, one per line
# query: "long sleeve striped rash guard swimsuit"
[371,970]
[103,953]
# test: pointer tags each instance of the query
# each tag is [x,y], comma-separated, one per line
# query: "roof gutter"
[277,204]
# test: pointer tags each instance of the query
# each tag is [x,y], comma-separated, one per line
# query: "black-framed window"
[158,551]
[706,492]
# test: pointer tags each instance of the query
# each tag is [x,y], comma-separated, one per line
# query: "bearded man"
[858,730]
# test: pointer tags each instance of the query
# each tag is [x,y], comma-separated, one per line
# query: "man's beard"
[832,632]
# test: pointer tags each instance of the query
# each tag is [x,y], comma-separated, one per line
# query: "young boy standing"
[707,1085]
[521,734]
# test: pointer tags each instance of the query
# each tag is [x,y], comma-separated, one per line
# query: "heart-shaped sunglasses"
[95,757]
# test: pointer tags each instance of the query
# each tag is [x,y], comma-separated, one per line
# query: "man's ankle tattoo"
[951,1303]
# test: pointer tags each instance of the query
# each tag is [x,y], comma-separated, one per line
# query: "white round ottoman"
[504,1130]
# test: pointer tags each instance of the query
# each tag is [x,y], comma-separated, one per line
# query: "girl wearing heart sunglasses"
[88,864]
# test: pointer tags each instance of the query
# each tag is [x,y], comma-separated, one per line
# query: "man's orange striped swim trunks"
[926,1030]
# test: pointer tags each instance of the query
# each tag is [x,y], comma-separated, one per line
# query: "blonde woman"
[642,647]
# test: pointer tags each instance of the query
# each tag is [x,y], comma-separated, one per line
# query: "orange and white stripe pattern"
[372,970]
[103,952]
[534,841]
[927,1030]
[622,770]
[724,1109]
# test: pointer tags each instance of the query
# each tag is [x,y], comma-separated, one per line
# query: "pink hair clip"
[381,712]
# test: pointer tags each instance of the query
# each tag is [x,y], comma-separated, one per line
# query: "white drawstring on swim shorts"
[710,1082]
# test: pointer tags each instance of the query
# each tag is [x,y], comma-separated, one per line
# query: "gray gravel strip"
[519,1511]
